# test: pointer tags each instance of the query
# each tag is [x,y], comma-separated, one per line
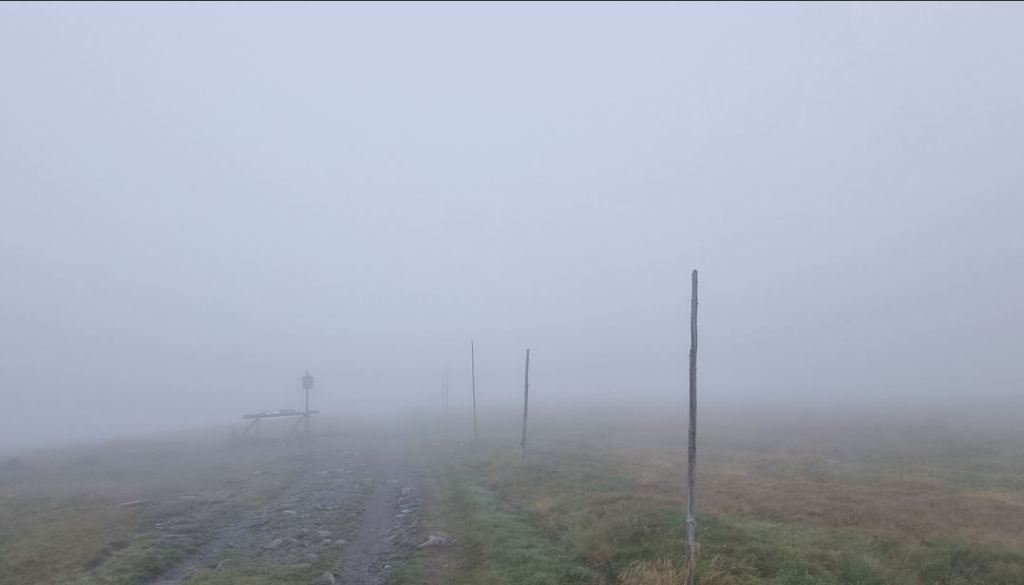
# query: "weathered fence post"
[691,466]
[472,369]
[444,397]
[526,402]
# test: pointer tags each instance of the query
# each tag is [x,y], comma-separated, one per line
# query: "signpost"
[307,385]
[304,415]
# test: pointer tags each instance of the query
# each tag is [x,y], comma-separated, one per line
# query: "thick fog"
[198,203]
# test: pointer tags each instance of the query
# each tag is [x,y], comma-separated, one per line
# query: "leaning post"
[691,463]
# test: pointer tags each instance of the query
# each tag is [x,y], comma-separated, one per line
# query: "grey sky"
[199,202]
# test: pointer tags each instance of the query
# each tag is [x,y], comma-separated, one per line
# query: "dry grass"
[664,572]
[653,573]
[789,504]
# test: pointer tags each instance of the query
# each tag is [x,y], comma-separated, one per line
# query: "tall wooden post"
[691,467]
[526,402]
[472,369]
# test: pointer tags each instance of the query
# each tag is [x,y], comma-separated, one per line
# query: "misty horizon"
[200,203]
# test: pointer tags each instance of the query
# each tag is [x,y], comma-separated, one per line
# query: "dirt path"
[389,522]
[352,507]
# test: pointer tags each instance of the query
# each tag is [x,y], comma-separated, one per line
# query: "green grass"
[500,546]
[257,574]
[595,504]
[410,571]
[828,508]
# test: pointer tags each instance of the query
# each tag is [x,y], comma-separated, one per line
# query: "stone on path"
[434,540]
[274,543]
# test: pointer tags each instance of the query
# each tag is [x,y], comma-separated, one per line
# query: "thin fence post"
[526,402]
[444,397]
[472,368]
[691,466]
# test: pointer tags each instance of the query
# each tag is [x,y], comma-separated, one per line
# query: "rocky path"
[389,522]
[353,509]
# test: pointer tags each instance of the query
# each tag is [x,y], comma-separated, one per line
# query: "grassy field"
[780,502]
